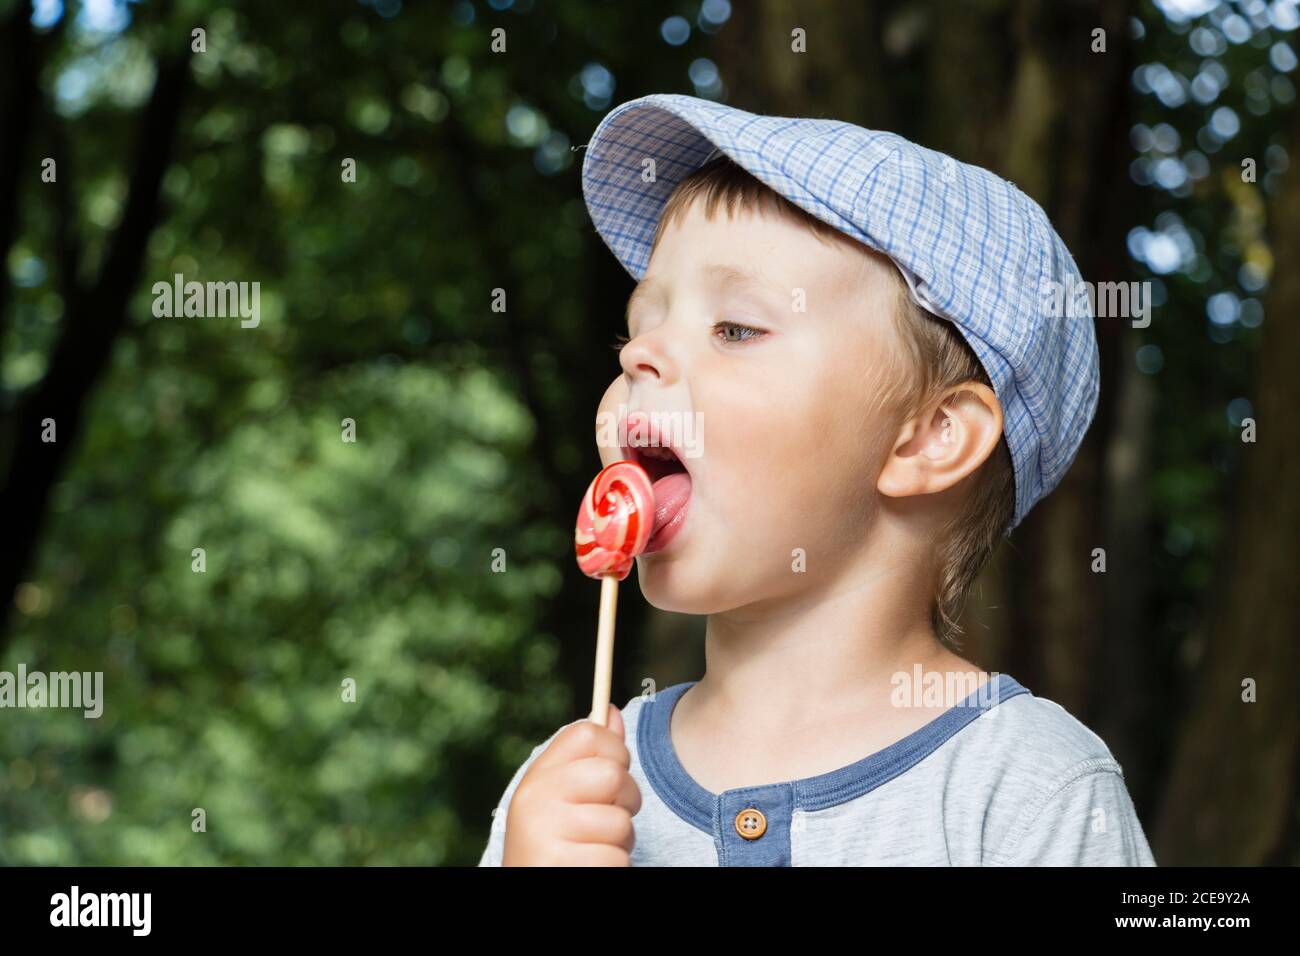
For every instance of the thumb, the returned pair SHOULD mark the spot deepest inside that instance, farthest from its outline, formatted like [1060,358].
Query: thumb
[613,720]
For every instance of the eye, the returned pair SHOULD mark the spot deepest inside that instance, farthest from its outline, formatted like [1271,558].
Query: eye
[619,341]
[735,332]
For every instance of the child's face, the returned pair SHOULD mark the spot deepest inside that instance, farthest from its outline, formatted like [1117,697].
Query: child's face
[790,438]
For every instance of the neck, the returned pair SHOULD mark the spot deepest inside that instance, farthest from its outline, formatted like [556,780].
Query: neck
[838,641]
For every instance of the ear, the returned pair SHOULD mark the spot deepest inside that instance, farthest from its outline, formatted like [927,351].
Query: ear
[945,443]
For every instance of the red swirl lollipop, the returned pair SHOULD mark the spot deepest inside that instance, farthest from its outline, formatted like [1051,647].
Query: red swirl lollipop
[614,521]
[614,524]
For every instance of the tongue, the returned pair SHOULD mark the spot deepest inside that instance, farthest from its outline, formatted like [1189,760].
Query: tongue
[672,492]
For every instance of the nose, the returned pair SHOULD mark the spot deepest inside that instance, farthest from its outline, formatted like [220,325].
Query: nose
[647,357]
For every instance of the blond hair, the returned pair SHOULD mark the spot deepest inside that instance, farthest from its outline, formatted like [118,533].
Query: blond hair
[940,359]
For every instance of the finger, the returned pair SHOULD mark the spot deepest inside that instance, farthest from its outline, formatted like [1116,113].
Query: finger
[614,722]
[594,780]
[597,823]
[581,739]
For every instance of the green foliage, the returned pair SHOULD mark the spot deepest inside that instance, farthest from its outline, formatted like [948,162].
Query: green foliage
[329,560]
[325,560]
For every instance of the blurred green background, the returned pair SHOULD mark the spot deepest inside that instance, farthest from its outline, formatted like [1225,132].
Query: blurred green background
[328,560]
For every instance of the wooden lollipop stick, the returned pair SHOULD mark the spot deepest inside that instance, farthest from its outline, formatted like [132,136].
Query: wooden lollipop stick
[614,524]
[604,650]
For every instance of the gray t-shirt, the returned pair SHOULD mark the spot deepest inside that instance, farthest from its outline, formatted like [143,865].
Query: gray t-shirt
[1003,778]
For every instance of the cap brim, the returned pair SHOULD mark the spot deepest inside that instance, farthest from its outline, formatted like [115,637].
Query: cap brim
[636,157]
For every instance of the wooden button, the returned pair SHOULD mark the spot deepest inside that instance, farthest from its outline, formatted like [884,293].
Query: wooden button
[751,824]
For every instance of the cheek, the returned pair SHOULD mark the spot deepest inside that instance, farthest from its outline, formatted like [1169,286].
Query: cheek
[801,441]
[850,417]
[765,428]
[736,406]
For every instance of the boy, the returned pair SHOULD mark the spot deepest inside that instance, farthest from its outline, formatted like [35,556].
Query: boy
[859,324]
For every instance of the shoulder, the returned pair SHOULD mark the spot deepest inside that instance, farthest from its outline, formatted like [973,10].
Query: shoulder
[1035,741]
[1014,758]
[1046,787]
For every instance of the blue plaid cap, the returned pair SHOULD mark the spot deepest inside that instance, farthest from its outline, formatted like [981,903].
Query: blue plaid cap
[973,248]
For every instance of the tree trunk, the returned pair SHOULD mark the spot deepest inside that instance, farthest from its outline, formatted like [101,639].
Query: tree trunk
[20,95]
[1231,793]
[94,319]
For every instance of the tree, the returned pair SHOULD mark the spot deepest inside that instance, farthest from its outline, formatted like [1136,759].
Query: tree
[94,316]
[1231,795]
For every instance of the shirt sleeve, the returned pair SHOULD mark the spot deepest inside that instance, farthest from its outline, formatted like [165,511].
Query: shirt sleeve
[495,848]
[1086,820]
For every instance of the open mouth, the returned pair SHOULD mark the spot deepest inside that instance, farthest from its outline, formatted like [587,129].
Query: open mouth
[671,481]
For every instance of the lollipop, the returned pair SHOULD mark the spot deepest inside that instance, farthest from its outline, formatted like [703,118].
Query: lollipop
[613,527]
[615,520]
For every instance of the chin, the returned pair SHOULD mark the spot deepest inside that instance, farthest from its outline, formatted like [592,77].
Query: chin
[670,586]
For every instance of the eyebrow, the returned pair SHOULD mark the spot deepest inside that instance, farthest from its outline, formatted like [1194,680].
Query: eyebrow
[720,272]
[735,275]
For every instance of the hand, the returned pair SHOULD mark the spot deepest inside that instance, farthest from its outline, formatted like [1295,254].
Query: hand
[574,806]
